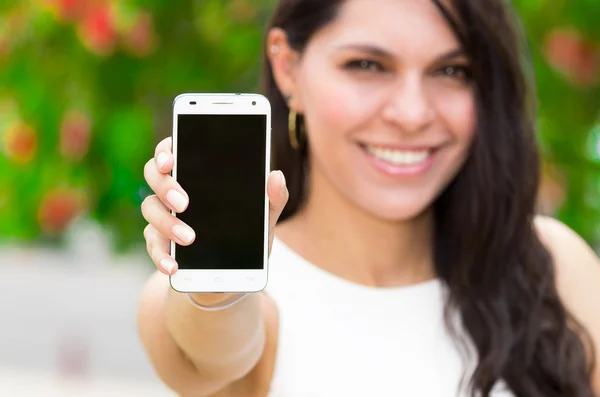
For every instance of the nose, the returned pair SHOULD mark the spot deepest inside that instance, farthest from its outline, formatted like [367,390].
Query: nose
[408,106]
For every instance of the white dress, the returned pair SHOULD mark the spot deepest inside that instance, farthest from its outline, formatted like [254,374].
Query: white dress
[341,339]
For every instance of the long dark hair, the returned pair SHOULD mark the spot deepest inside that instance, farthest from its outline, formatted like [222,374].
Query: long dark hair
[500,278]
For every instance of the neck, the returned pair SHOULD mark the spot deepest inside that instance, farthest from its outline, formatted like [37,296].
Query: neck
[333,233]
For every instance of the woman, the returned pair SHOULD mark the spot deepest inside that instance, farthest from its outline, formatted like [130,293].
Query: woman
[407,260]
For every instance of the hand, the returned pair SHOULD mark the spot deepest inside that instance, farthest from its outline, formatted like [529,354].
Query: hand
[163,227]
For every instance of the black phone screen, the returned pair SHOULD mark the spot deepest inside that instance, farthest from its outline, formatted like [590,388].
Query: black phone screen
[221,165]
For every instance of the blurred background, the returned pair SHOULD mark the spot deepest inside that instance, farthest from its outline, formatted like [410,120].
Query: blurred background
[86,89]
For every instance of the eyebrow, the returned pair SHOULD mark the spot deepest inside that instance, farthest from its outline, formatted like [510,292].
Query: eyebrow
[380,52]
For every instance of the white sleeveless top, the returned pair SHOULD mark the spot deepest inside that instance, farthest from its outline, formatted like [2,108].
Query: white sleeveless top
[338,338]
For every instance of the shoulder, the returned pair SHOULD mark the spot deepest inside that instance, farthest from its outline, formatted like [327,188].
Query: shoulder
[572,256]
[577,276]
[558,235]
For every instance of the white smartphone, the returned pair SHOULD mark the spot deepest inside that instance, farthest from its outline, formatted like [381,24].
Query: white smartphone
[221,147]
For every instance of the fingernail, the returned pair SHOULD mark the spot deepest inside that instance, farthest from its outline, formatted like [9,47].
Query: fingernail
[183,233]
[282,183]
[177,200]
[168,265]
[161,160]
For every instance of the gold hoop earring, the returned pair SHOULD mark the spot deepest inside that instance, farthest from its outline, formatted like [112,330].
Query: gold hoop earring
[292,128]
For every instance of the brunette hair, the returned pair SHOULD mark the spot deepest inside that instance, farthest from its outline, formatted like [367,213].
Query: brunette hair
[500,278]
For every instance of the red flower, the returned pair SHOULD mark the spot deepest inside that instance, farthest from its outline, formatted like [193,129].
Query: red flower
[97,29]
[75,134]
[58,209]
[67,10]
[140,39]
[576,58]
[20,143]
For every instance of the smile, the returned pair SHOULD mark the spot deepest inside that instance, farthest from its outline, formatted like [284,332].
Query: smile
[399,162]
[399,157]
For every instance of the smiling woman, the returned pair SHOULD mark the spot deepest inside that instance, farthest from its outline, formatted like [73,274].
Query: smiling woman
[388,84]
[405,131]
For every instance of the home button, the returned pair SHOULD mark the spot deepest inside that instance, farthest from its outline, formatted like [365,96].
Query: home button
[219,280]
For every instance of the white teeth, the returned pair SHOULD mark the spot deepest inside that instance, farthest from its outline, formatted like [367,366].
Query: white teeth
[399,157]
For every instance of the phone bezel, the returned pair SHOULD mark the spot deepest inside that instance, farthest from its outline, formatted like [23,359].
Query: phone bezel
[230,280]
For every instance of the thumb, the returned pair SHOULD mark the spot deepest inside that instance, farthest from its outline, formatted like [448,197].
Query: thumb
[278,197]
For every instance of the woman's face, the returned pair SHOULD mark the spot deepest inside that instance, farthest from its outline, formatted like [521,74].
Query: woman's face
[389,108]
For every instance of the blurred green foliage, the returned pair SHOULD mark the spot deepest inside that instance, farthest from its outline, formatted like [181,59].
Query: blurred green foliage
[86,90]
[565,39]
[99,77]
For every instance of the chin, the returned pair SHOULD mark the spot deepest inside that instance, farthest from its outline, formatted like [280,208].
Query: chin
[399,210]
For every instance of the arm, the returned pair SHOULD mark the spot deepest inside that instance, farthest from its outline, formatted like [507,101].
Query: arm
[199,353]
[578,279]
[195,352]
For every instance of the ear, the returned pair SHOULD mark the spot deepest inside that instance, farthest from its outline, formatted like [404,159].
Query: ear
[284,63]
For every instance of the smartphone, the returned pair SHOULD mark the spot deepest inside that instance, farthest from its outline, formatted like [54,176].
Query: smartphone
[221,148]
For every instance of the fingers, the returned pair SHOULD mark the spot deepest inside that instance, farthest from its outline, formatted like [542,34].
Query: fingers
[171,194]
[155,209]
[278,197]
[163,156]
[156,173]
[158,248]
[166,224]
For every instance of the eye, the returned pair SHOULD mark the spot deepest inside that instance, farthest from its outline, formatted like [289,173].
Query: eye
[458,72]
[364,65]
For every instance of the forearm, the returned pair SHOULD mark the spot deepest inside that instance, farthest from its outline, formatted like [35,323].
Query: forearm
[222,345]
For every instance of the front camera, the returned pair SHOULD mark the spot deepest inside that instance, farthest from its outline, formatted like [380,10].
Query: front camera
[253,103]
